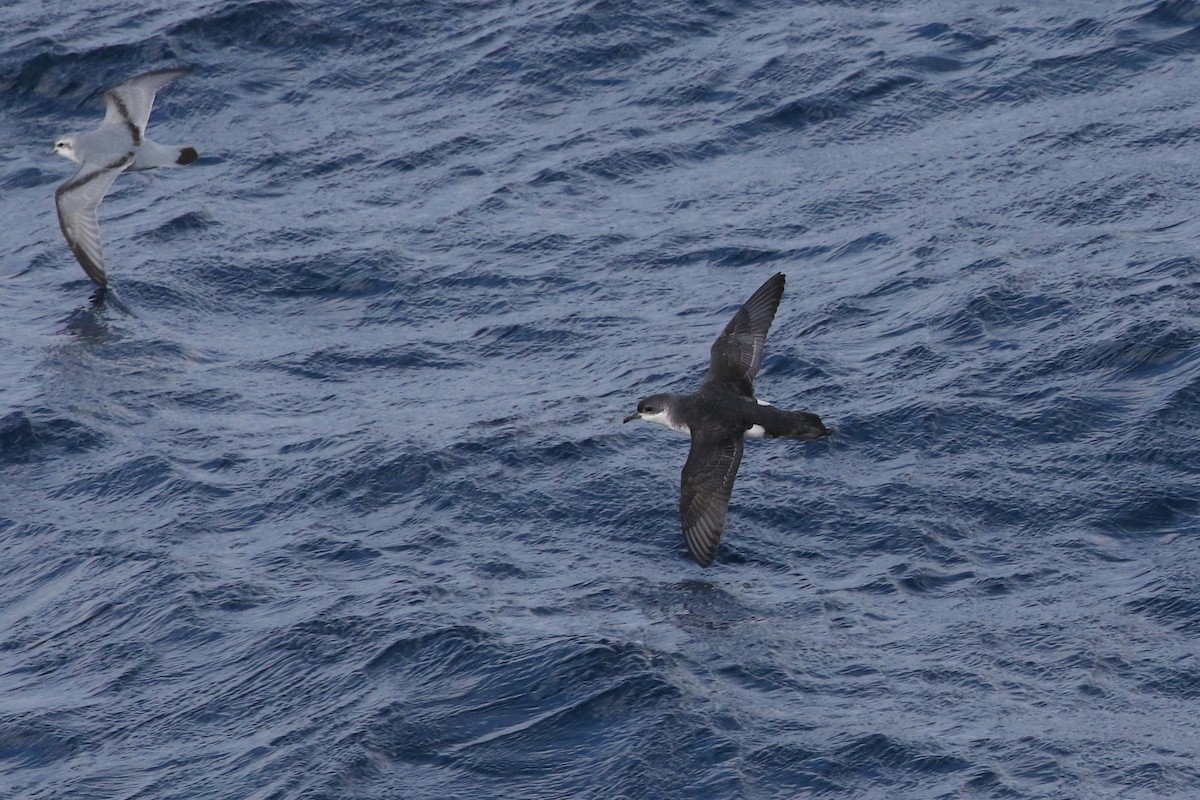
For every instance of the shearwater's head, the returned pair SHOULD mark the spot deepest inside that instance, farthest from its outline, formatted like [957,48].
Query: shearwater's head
[656,408]
[65,147]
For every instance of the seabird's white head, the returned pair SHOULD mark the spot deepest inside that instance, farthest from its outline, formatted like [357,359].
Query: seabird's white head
[65,147]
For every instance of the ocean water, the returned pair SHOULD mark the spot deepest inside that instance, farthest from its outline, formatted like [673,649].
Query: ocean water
[331,498]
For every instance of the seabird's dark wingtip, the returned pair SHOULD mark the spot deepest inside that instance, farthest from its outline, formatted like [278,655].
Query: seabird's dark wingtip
[91,268]
[778,278]
[96,273]
[186,156]
[704,560]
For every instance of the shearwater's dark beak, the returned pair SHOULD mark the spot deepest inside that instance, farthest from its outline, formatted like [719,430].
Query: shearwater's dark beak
[632,417]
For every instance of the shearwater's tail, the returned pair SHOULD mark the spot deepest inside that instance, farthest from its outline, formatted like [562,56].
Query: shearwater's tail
[806,426]
[795,425]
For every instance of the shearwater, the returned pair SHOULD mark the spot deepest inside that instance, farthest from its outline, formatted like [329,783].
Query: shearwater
[720,414]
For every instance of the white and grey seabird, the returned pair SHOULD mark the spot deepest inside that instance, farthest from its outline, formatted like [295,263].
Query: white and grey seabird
[119,144]
[719,415]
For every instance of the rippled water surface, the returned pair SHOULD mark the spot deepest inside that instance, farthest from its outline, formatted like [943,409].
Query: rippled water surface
[331,498]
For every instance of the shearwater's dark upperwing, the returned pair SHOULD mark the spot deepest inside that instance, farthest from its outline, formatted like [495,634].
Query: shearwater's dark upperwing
[127,106]
[704,490]
[738,351]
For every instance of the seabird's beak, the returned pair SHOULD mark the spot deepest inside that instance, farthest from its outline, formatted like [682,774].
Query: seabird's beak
[633,416]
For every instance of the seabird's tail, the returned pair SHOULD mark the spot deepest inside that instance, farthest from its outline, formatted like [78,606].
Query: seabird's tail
[152,154]
[795,425]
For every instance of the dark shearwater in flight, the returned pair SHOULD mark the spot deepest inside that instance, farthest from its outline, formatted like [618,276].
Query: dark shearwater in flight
[720,414]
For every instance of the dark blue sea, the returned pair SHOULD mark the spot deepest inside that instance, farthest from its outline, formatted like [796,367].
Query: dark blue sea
[330,496]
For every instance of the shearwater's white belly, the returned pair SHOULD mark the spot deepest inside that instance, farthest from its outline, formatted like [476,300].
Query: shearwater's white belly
[662,418]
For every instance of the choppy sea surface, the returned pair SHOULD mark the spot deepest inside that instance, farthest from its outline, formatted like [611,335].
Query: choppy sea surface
[331,498]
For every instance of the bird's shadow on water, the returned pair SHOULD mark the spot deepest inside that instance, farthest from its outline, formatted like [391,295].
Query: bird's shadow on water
[91,323]
[700,603]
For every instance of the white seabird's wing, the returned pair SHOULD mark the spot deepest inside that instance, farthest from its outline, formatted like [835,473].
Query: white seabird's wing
[77,200]
[127,106]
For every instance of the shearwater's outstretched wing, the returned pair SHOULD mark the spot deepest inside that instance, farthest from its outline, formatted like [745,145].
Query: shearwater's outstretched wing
[737,353]
[128,105]
[704,491]
[77,200]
